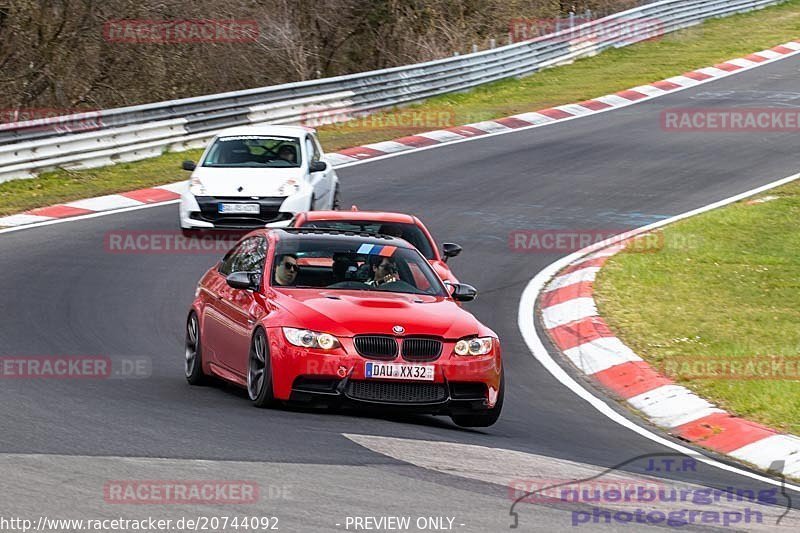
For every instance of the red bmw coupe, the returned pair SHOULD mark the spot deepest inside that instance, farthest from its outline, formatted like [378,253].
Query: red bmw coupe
[320,316]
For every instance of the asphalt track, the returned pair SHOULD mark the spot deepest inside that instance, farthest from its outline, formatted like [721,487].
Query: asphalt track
[63,293]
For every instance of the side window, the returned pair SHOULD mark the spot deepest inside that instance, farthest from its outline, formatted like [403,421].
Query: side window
[226,266]
[249,256]
[252,256]
[316,144]
[312,149]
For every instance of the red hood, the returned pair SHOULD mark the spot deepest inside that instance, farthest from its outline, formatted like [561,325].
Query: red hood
[347,313]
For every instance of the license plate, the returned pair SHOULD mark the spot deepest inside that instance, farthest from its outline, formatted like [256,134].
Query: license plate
[252,209]
[399,371]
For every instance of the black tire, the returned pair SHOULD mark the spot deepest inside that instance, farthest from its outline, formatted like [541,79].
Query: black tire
[259,371]
[193,354]
[336,205]
[486,418]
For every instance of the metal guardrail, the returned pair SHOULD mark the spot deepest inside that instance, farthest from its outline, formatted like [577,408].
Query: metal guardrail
[138,132]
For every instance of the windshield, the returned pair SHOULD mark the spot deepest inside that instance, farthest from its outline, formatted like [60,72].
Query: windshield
[254,151]
[408,232]
[353,265]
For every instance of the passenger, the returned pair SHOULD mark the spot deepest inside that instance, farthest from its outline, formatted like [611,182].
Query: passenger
[384,270]
[287,152]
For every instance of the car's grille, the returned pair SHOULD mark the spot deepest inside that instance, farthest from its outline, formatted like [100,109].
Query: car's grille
[268,211]
[420,349]
[376,347]
[400,392]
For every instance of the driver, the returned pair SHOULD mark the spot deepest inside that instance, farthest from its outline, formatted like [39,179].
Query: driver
[286,270]
[384,270]
[288,153]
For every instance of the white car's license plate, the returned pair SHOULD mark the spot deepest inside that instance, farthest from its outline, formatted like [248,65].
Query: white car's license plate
[399,371]
[251,209]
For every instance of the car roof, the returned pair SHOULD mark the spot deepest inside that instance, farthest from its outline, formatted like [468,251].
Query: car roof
[352,237]
[266,129]
[364,216]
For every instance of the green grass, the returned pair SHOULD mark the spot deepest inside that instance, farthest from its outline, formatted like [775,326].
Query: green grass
[724,287]
[611,71]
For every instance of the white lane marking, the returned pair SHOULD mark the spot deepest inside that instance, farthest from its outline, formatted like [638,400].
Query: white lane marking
[686,83]
[570,311]
[534,118]
[672,405]
[769,54]
[614,100]
[741,62]
[575,109]
[441,136]
[577,276]
[105,203]
[763,452]
[713,71]
[388,147]
[340,159]
[527,327]
[600,354]
[87,216]
[22,219]
[649,90]
[178,187]
[490,126]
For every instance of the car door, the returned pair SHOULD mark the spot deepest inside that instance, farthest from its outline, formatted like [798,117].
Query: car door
[215,323]
[319,180]
[241,308]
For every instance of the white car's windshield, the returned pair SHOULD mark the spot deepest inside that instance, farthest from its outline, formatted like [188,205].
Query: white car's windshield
[254,151]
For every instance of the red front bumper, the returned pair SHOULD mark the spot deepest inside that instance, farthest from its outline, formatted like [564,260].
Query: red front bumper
[300,373]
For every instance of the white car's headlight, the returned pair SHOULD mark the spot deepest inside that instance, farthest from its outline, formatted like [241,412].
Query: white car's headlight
[305,338]
[474,346]
[289,188]
[196,187]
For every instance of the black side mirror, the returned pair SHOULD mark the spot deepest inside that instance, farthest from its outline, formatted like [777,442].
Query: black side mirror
[188,165]
[450,249]
[246,281]
[461,292]
[317,166]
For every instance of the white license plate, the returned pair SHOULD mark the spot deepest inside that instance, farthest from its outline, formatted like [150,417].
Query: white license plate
[251,209]
[399,371]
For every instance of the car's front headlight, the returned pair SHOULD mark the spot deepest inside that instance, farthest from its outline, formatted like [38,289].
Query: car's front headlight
[196,187]
[289,188]
[306,338]
[474,346]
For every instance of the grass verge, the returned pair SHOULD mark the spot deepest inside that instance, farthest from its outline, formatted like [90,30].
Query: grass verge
[718,307]
[611,71]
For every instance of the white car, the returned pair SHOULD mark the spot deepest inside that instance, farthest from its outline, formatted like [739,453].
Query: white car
[254,176]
